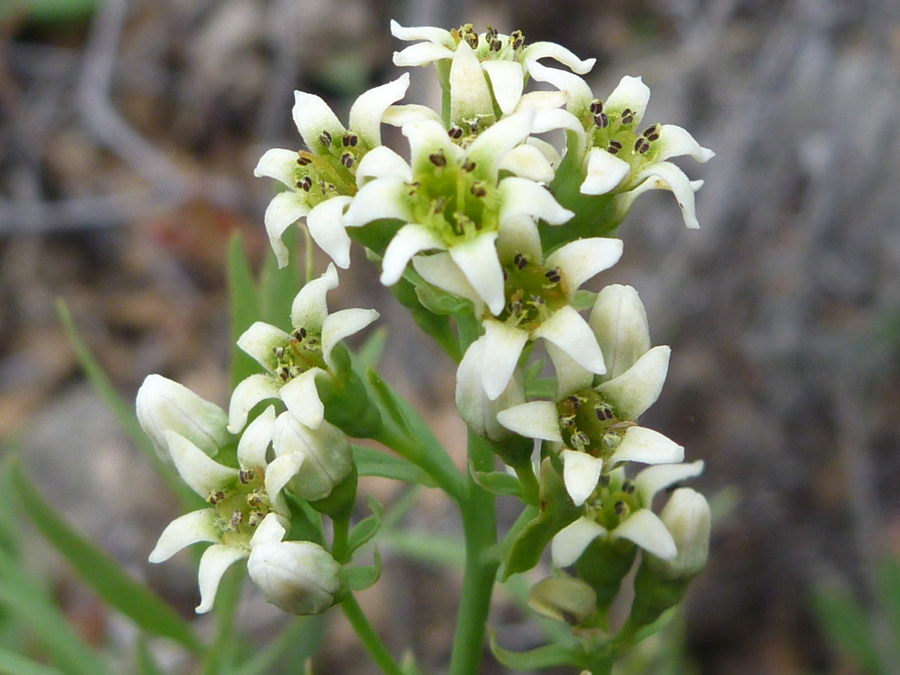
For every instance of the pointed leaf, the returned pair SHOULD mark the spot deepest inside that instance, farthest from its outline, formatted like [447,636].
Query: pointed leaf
[497,482]
[547,656]
[366,528]
[244,306]
[359,578]
[372,462]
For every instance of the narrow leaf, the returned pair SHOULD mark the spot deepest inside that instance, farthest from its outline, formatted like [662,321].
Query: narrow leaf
[370,353]
[497,482]
[426,547]
[547,656]
[278,287]
[359,578]
[367,528]
[101,572]
[244,305]
[844,622]
[14,664]
[299,641]
[372,462]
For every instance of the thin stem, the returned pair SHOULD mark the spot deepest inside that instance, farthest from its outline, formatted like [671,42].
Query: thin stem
[367,635]
[309,252]
[480,529]
[438,465]
[339,545]
[502,548]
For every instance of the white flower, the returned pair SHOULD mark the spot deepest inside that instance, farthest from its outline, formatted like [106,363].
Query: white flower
[293,361]
[481,65]
[239,501]
[321,180]
[629,518]
[298,577]
[688,519]
[477,409]
[164,405]
[453,199]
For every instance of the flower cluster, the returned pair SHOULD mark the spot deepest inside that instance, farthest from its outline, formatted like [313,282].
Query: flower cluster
[487,222]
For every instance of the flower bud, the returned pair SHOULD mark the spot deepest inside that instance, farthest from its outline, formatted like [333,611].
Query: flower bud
[687,517]
[563,599]
[328,458]
[619,322]
[475,407]
[298,577]
[164,405]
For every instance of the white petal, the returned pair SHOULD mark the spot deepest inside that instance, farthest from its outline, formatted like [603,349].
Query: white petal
[648,447]
[580,95]
[551,50]
[507,81]
[632,93]
[270,531]
[581,472]
[666,176]
[527,161]
[477,410]
[427,138]
[255,440]
[312,117]
[582,259]
[421,55]
[439,36]
[570,377]
[619,322]
[260,340]
[409,240]
[279,473]
[604,172]
[470,97]
[382,162]
[491,146]
[503,346]
[184,531]
[635,390]
[343,324]
[213,564]
[572,540]
[568,330]
[285,209]
[523,197]
[478,261]
[645,529]
[535,419]
[204,475]
[552,119]
[543,100]
[519,235]
[660,476]
[250,391]
[675,142]
[367,111]
[328,457]
[400,115]
[547,150]
[302,398]
[310,306]
[279,164]
[440,270]
[382,198]
[324,224]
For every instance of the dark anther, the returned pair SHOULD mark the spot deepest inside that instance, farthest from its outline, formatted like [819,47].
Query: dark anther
[553,275]
[299,334]
[652,133]
[237,519]
[478,189]
[438,159]
[469,165]
[604,480]
[537,300]
[520,261]
[628,487]
[627,116]
[284,373]
[574,401]
[472,39]
[350,140]
[254,501]
[303,161]
[517,39]
[614,147]
[246,476]
[216,497]
[455,132]
[496,45]
[641,146]
[305,184]
[620,508]
[601,120]
[278,352]
[325,138]
[347,159]
[596,106]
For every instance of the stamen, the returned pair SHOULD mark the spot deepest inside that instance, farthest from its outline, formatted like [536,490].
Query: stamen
[652,133]
[553,275]
[520,261]
[438,159]
[641,146]
[325,138]
[627,116]
[601,120]
[478,189]
[455,132]
[350,140]
[347,159]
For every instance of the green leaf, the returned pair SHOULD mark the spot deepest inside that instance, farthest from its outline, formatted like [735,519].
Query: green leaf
[545,387]
[366,528]
[101,572]
[438,326]
[24,598]
[361,577]
[244,305]
[370,353]
[426,547]
[279,287]
[388,402]
[844,623]
[123,411]
[14,664]
[145,662]
[50,11]
[889,582]
[372,462]
[299,641]
[496,482]
[547,656]
[10,530]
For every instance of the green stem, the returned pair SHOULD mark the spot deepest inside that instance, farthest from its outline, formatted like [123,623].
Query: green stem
[480,529]
[531,489]
[438,465]
[369,637]
[502,548]
[339,546]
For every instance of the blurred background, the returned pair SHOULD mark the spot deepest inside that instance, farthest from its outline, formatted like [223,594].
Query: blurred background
[129,130]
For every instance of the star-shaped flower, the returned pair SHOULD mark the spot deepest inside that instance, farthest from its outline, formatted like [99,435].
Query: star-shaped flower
[321,180]
[453,199]
[293,361]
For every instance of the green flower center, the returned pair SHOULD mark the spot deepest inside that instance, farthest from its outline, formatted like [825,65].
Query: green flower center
[452,201]
[492,44]
[588,423]
[328,175]
[616,132]
[241,507]
[533,293]
[302,352]
[612,502]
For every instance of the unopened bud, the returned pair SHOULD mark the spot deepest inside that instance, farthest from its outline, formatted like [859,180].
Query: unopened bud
[328,458]
[687,517]
[564,599]
[164,405]
[619,322]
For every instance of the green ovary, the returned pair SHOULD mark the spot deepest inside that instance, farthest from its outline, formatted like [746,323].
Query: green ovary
[533,293]
[589,424]
[241,507]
